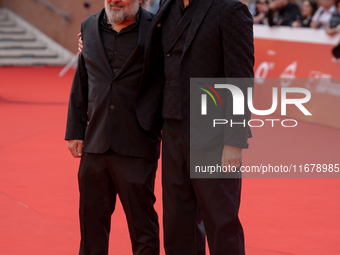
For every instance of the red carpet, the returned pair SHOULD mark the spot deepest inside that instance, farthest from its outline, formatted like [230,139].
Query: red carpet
[39,193]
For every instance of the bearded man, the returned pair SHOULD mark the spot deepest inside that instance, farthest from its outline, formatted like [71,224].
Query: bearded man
[110,126]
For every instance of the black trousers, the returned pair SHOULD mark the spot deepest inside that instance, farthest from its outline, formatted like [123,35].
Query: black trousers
[103,176]
[218,201]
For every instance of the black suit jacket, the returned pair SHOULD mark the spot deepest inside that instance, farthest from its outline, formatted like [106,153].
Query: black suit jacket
[103,109]
[219,44]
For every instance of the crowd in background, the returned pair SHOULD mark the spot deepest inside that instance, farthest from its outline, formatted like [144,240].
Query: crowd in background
[323,14]
[319,14]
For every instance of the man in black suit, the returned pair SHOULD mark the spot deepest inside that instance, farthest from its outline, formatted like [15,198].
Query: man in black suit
[111,127]
[193,39]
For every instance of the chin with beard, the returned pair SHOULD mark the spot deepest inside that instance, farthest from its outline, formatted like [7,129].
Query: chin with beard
[119,16]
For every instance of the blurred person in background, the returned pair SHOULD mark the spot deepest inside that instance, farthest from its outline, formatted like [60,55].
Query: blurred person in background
[281,12]
[152,6]
[334,24]
[308,10]
[251,6]
[260,16]
[323,15]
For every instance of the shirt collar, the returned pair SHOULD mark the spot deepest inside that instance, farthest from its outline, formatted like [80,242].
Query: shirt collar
[181,4]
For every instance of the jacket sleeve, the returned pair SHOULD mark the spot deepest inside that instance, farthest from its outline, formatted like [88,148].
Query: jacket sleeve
[236,28]
[77,109]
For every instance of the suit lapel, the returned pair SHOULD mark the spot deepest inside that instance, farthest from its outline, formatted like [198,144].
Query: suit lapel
[153,40]
[100,46]
[156,20]
[145,19]
[183,24]
[203,7]
[159,15]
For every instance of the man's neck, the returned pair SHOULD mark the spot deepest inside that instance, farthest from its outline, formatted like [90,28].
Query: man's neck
[185,2]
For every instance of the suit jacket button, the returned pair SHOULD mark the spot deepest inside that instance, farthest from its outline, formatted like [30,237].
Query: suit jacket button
[168,55]
[112,107]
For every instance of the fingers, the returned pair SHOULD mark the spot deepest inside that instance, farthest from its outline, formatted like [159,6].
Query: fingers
[80,46]
[226,161]
[231,158]
[76,148]
[80,49]
[80,148]
[80,43]
[73,149]
[222,160]
[232,163]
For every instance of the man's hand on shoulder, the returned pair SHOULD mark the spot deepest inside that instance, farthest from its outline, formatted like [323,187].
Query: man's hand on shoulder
[76,147]
[231,156]
[80,43]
